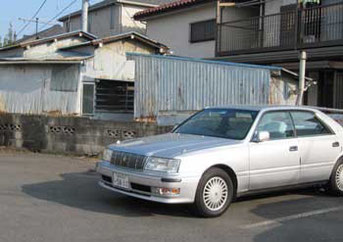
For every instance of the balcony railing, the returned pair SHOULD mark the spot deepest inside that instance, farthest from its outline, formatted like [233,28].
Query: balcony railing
[297,29]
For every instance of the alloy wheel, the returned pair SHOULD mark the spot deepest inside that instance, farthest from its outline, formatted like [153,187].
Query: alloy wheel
[339,177]
[215,193]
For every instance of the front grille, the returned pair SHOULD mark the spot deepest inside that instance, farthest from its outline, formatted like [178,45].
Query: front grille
[128,160]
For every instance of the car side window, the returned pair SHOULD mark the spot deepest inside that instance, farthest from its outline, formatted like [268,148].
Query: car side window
[307,124]
[278,124]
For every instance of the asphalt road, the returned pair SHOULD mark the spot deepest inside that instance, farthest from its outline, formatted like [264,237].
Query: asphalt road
[55,198]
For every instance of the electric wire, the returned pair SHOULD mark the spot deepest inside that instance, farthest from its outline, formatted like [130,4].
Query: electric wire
[35,15]
[57,15]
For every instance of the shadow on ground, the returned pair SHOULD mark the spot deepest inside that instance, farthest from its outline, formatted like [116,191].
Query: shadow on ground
[81,190]
[316,227]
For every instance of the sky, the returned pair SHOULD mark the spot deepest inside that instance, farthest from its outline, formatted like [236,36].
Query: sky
[11,10]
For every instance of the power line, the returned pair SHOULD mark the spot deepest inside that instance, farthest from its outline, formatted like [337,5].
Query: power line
[35,15]
[57,15]
[33,21]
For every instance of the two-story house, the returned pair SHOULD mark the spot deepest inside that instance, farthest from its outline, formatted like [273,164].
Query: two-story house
[261,32]
[279,30]
[110,17]
[188,27]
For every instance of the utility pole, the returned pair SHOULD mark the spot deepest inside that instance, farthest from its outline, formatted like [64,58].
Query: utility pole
[302,64]
[85,6]
[302,71]
[37,19]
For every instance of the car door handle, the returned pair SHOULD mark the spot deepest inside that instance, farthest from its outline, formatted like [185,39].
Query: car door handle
[293,148]
[335,144]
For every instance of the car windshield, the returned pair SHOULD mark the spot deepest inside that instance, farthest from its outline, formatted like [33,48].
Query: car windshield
[224,123]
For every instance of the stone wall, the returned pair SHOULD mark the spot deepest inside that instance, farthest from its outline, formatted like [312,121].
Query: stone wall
[69,135]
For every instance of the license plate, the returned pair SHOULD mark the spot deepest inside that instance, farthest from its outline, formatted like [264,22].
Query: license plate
[120,180]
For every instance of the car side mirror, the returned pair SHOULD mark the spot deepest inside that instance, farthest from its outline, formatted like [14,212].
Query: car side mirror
[262,136]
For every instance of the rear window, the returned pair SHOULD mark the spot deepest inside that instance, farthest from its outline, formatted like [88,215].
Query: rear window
[307,124]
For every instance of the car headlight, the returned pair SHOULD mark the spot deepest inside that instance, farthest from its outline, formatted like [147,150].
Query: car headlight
[107,156]
[162,164]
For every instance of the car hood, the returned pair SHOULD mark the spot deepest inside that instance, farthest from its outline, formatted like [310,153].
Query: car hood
[171,145]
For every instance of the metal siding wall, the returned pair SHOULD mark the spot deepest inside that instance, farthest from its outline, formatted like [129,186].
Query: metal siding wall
[65,78]
[166,84]
[338,90]
[26,89]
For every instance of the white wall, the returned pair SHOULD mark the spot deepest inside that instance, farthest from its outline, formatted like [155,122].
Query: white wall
[127,21]
[173,30]
[119,68]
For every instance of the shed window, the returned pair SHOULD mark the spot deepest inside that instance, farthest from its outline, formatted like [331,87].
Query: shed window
[65,78]
[114,96]
[88,99]
[203,31]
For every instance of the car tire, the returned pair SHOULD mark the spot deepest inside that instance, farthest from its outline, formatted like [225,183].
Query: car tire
[336,180]
[214,193]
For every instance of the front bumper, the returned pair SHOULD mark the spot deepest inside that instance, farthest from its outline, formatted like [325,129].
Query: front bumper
[142,183]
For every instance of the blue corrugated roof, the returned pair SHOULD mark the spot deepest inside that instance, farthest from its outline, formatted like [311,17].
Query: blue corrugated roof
[207,61]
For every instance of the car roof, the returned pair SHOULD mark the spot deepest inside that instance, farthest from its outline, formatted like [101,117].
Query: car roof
[265,107]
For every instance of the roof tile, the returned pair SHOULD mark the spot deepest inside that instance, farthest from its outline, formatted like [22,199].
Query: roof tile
[167,7]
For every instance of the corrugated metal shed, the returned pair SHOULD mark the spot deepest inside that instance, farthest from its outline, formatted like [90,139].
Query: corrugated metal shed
[39,88]
[167,85]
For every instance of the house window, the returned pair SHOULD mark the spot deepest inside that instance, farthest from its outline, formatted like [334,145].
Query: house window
[112,17]
[307,124]
[114,96]
[67,24]
[203,31]
[88,99]
[90,18]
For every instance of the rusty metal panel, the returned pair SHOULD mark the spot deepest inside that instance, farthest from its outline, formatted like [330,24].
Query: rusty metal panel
[172,84]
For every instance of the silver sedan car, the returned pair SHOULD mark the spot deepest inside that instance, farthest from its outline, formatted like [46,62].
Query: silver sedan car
[222,153]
